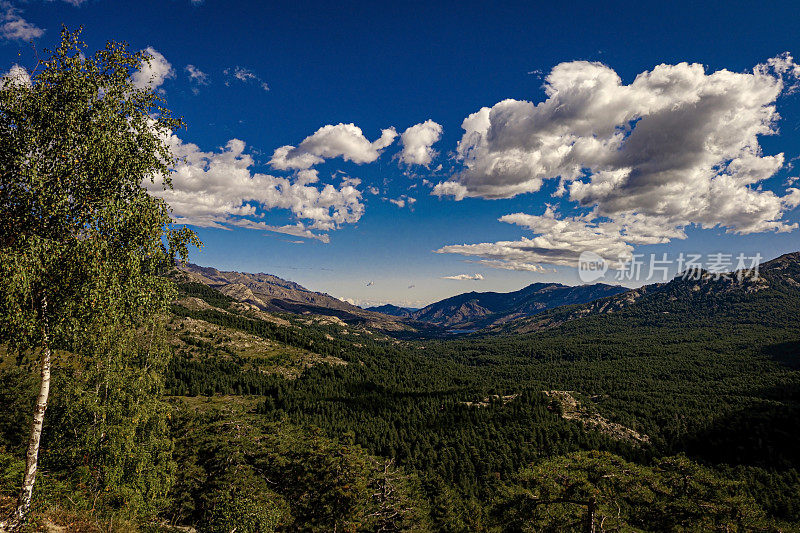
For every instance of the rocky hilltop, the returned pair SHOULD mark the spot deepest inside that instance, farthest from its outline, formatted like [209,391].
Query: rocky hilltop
[272,294]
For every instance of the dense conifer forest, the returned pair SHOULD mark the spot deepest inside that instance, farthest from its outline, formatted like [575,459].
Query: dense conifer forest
[720,390]
[462,429]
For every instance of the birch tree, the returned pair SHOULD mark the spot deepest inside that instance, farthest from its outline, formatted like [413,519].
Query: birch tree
[82,243]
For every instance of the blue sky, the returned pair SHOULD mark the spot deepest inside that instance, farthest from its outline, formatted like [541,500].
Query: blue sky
[271,74]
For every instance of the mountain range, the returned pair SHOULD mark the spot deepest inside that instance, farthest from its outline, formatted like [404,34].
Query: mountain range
[472,310]
[535,307]
[392,310]
[480,309]
[765,293]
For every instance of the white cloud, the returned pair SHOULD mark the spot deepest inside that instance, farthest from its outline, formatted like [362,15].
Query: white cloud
[402,201]
[560,241]
[342,140]
[15,28]
[296,230]
[417,141]
[465,277]
[16,74]
[675,148]
[220,189]
[791,200]
[782,64]
[451,188]
[154,72]
[196,75]
[513,265]
[245,75]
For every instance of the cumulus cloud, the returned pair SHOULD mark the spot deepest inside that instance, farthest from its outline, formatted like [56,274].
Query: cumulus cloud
[341,140]
[154,72]
[16,74]
[417,141]
[791,200]
[245,75]
[465,277]
[220,189]
[676,147]
[451,188]
[781,64]
[15,28]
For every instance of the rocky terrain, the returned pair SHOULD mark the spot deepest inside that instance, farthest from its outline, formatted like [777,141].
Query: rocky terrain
[572,409]
[272,294]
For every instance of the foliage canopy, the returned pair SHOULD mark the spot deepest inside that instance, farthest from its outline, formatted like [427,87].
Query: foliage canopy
[82,243]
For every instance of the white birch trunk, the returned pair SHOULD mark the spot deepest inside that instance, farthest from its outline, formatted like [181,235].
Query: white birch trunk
[31,458]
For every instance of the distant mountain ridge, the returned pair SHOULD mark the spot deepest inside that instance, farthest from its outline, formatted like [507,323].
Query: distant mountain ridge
[479,309]
[392,310]
[273,294]
[537,306]
[473,310]
[700,295]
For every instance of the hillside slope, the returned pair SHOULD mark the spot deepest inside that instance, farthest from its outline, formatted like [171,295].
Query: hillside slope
[275,295]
